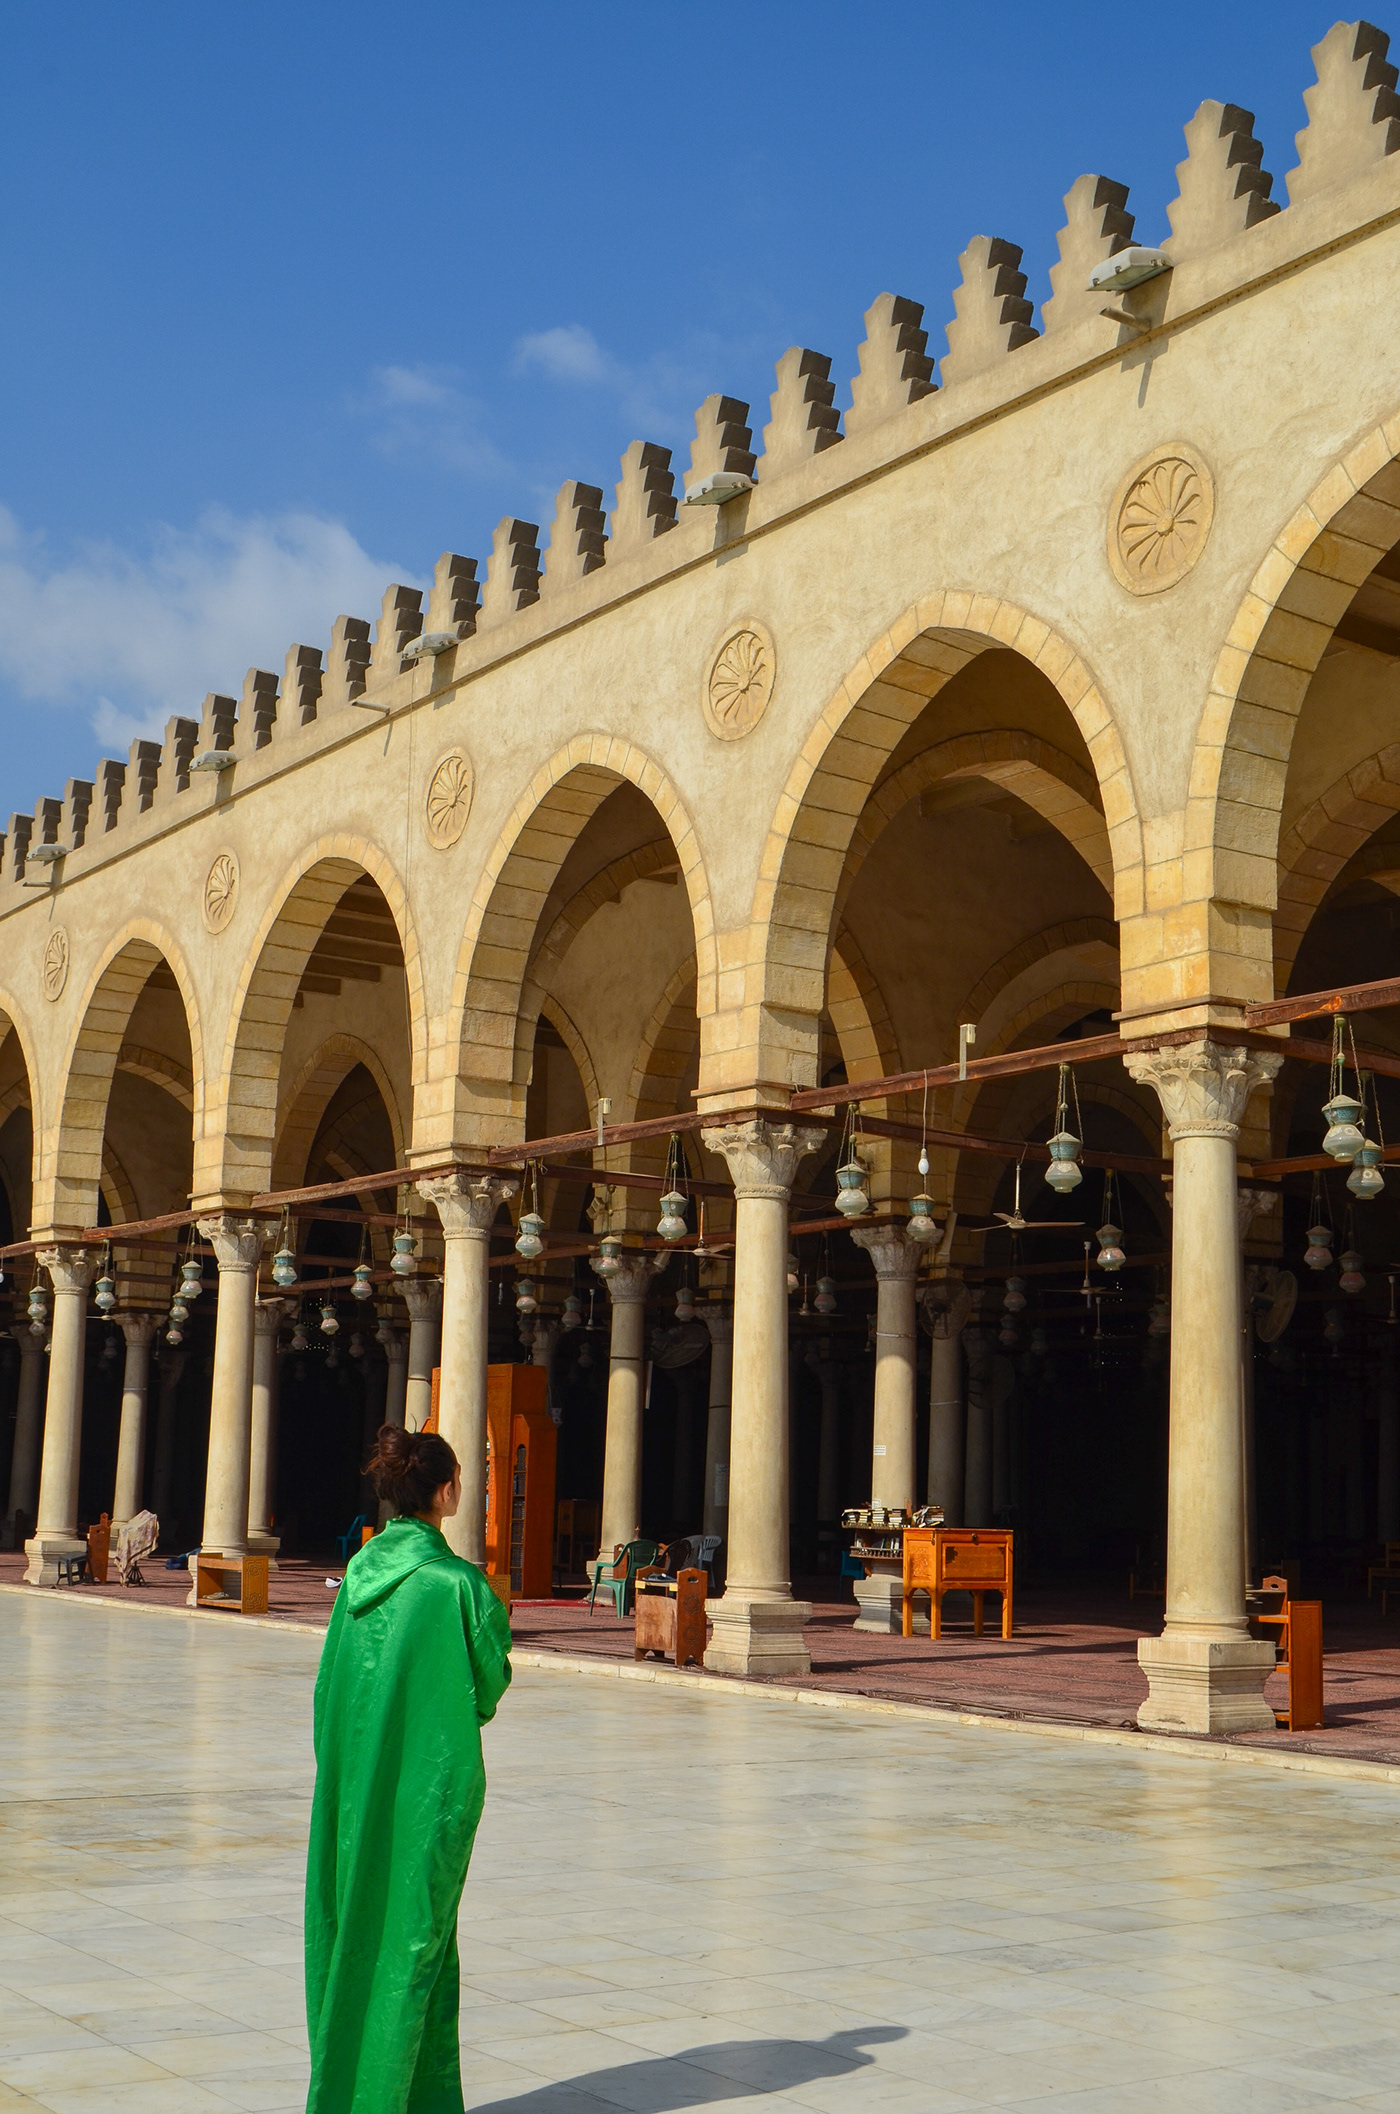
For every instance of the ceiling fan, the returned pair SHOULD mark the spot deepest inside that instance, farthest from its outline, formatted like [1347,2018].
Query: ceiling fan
[1012,1221]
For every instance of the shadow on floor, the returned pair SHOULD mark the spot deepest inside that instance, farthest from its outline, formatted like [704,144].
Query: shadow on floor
[699,2077]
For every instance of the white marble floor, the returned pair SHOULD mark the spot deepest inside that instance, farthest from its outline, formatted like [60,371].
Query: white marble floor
[680,1902]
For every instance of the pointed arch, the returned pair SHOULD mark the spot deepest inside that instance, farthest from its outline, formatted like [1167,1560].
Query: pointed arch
[1283,626]
[309,1095]
[68,1152]
[489,1041]
[234,1152]
[839,769]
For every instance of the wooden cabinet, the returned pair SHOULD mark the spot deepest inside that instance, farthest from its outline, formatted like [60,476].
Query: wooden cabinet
[940,1560]
[671,1618]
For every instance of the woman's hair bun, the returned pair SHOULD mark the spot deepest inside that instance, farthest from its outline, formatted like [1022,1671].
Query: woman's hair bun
[408,1468]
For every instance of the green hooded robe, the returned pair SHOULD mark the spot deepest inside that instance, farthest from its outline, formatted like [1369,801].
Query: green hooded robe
[415,1662]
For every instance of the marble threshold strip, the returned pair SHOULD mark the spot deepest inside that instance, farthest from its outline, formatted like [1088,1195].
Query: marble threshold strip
[938,1717]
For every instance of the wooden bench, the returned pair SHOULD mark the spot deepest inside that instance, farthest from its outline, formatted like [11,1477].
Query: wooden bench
[1296,1627]
[235,1585]
[670,1616]
[941,1560]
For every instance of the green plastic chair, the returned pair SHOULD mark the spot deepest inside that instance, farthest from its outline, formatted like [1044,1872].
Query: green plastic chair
[620,1576]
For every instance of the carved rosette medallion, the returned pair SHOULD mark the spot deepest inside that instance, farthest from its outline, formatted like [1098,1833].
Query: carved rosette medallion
[1160,519]
[448,801]
[55,971]
[220,891]
[739,682]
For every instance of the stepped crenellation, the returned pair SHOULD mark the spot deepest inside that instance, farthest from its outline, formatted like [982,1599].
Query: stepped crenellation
[1224,195]
[1097,225]
[993,317]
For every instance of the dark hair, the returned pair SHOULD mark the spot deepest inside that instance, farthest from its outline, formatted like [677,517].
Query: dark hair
[408,1468]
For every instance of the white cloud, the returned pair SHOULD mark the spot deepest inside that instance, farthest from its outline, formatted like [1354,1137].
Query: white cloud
[423,415]
[147,635]
[568,353]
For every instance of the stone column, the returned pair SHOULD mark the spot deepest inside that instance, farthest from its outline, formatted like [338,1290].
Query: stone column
[719,1320]
[172,1366]
[880,1593]
[29,1429]
[71,1270]
[1249,1205]
[423,1298]
[946,1310]
[542,1343]
[758,1624]
[396,1381]
[1205,1672]
[979,1350]
[828,1373]
[467,1206]
[262,1458]
[237,1243]
[374,1372]
[622,1442]
[139,1331]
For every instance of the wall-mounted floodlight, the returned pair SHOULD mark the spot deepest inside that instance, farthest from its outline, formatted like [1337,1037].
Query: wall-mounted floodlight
[1129,268]
[45,857]
[214,760]
[429,644]
[718,488]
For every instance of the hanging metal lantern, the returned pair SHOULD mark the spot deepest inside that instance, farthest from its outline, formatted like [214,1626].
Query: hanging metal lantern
[1110,1255]
[1353,1277]
[384,1334]
[1009,1335]
[825,1301]
[852,1196]
[572,1316]
[1334,1331]
[362,1284]
[299,1342]
[1064,1172]
[357,1345]
[105,1293]
[1015,1299]
[330,1323]
[922,1225]
[284,1267]
[525,1300]
[191,1278]
[1161,1322]
[1344,1139]
[179,1312]
[529,1241]
[174,1334]
[685,1304]
[794,1273]
[1366,1179]
[404,1260]
[1318,1253]
[38,1304]
[609,1259]
[109,1351]
[1040,1343]
[671,1225]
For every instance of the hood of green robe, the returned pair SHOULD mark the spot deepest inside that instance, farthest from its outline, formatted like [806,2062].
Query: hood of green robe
[402,1548]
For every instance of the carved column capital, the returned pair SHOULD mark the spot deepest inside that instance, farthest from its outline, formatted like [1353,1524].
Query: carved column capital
[71,1269]
[720,1323]
[268,1316]
[395,1348]
[467,1203]
[629,1286]
[1204,1087]
[1251,1204]
[894,1255]
[237,1242]
[763,1156]
[138,1329]
[423,1297]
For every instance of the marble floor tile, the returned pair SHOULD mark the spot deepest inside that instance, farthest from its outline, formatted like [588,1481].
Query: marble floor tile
[865,1916]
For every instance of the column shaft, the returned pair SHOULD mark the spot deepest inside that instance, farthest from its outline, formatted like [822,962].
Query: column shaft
[172,1366]
[237,1244]
[423,1298]
[946,1428]
[622,1443]
[262,1453]
[71,1271]
[720,1323]
[29,1427]
[139,1331]
[467,1206]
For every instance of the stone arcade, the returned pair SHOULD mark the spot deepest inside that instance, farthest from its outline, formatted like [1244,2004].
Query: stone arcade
[1053,684]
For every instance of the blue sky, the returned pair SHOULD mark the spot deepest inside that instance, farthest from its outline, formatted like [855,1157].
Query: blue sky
[299,295]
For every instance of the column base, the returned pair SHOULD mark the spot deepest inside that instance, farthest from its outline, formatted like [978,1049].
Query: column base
[757,1636]
[43,1553]
[880,1601]
[1201,1683]
[265,1545]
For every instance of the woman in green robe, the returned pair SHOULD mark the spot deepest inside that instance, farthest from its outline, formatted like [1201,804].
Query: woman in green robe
[415,1662]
